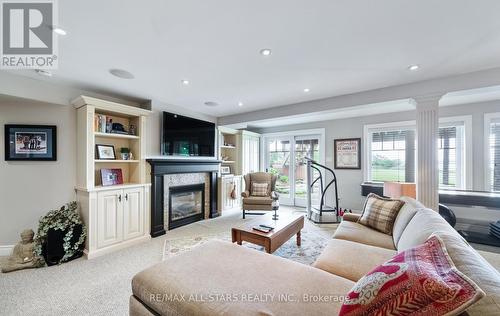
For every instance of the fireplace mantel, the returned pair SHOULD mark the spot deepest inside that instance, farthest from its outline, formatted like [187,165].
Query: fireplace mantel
[161,167]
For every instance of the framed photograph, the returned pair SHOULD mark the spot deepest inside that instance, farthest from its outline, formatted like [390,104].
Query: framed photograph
[225,170]
[30,142]
[105,152]
[111,177]
[347,153]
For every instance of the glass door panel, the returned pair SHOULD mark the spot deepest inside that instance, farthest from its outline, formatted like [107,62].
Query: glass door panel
[305,147]
[278,163]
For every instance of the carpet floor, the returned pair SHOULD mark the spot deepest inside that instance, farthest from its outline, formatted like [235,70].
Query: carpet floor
[101,286]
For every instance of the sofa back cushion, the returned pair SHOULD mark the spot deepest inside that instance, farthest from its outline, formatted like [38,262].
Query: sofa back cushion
[380,213]
[472,264]
[427,222]
[424,223]
[405,215]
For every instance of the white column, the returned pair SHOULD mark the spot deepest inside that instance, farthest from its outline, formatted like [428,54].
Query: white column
[427,150]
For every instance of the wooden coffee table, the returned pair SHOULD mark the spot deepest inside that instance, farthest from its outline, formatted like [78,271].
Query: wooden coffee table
[284,228]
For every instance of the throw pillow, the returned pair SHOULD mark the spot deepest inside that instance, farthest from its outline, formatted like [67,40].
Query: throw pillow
[418,281]
[259,189]
[380,213]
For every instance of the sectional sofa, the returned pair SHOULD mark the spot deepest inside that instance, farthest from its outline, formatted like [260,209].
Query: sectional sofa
[221,278]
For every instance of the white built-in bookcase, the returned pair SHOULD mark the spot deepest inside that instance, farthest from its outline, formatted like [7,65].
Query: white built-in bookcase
[117,215]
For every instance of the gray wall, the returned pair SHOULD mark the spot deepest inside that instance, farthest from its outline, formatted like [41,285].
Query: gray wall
[349,180]
[29,189]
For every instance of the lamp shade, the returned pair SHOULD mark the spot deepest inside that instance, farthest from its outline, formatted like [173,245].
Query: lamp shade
[399,189]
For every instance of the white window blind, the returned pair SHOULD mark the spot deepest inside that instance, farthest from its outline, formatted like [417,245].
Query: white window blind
[451,155]
[494,154]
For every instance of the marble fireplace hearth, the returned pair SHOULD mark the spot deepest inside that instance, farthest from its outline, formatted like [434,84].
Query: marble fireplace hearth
[167,174]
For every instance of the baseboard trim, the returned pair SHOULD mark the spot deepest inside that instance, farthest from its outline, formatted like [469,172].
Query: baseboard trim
[6,250]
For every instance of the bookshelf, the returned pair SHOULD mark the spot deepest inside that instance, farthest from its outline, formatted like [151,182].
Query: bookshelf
[115,215]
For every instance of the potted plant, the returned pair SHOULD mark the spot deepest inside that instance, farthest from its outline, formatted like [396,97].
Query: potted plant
[125,153]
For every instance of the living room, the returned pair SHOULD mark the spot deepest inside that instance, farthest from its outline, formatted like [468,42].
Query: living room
[250,158]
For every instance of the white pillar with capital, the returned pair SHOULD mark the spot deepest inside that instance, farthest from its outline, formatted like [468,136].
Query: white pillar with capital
[427,150]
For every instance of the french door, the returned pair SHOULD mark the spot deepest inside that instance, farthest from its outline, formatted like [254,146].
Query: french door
[284,156]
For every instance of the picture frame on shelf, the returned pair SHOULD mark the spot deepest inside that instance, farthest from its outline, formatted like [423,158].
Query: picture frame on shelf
[105,152]
[30,142]
[111,177]
[225,170]
[347,153]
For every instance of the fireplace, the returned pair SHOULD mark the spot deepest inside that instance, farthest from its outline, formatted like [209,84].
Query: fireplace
[170,173]
[186,204]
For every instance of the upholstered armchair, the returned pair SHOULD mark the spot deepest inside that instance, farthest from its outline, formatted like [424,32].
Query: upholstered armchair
[261,201]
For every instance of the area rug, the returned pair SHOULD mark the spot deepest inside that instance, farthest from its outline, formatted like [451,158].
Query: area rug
[311,246]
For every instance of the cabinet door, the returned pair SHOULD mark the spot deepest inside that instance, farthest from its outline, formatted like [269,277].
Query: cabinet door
[133,213]
[109,218]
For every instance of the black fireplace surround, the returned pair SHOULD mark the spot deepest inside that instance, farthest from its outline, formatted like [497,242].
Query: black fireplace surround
[161,167]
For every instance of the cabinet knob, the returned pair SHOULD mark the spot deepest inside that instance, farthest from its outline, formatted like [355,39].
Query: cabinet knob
[126,196]
[119,198]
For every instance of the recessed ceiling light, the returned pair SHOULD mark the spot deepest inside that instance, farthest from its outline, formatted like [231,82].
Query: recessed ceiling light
[59,31]
[240,103]
[413,67]
[307,90]
[42,72]
[211,103]
[265,52]
[120,73]
[185,82]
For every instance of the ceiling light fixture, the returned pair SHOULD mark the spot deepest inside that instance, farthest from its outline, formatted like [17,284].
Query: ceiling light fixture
[211,103]
[265,52]
[240,103]
[122,74]
[307,90]
[185,82]
[413,67]
[42,72]
[59,31]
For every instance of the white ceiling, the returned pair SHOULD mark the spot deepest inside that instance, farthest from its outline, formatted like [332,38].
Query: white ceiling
[332,47]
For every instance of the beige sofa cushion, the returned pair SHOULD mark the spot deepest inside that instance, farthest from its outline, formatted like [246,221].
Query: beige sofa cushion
[473,265]
[405,215]
[423,224]
[258,200]
[352,231]
[224,268]
[351,260]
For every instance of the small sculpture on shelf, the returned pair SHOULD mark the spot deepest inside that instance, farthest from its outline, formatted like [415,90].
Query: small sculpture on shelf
[23,256]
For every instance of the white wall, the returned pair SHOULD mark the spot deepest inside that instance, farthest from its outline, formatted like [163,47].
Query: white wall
[349,180]
[29,189]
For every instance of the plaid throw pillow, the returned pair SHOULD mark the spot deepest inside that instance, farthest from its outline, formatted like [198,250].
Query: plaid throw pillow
[259,189]
[380,213]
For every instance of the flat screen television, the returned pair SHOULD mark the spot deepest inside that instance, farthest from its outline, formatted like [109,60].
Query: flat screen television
[185,136]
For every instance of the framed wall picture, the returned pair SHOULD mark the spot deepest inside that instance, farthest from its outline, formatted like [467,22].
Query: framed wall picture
[30,142]
[105,152]
[225,170]
[111,177]
[347,153]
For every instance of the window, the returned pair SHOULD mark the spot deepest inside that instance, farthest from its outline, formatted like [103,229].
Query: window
[492,133]
[391,152]
[451,155]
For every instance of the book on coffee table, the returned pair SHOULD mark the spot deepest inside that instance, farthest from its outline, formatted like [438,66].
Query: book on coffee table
[263,228]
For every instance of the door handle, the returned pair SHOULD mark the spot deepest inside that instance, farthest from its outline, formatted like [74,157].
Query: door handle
[120,198]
